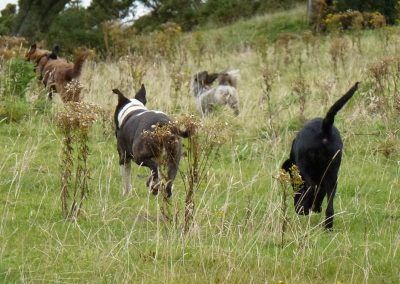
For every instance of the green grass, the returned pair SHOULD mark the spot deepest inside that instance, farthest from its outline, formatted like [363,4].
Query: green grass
[269,26]
[236,236]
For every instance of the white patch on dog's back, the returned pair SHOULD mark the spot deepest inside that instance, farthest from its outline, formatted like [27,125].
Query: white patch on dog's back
[134,105]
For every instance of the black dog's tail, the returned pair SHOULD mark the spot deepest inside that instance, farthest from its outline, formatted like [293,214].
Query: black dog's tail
[183,133]
[330,116]
[54,52]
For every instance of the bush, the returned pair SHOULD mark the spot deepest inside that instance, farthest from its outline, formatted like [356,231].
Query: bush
[18,74]
[72,28]
[13,83]
[388,8]
[354,20]
[13,109]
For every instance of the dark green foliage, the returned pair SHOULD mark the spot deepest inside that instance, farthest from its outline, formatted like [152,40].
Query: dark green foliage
[13,83]
[186,13]
[17,75]
[191,13]
[7,18]
[72,29]
[388,8]
[105,10]
[13,109]
[36,16]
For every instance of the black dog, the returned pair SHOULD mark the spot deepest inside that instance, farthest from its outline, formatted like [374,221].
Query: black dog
[317,152]
[133,121]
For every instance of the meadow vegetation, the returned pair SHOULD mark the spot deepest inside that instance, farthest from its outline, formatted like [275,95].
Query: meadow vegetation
[243,225]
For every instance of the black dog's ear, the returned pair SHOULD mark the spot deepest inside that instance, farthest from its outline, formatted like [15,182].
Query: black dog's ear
[141,95]
[201,77]
[33,47]
[210,78]
[121,98]
[54,53]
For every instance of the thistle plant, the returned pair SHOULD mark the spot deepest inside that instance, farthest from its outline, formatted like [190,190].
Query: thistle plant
[300,88]
[338,50]
[310,41]
[75,122]
[72,91]
[179,77]
[283,42]
[202,146]
[268,78]
[138,69]
[261,48]
[379,74]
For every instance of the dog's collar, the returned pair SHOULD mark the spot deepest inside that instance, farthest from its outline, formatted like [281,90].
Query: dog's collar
[134,105]
[40,58]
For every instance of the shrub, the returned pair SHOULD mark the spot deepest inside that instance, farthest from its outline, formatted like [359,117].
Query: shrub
[13,109]
[13,83]
[354,20]
[388,8]
[18,74]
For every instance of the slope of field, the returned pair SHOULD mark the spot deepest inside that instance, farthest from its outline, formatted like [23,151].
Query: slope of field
[237,231]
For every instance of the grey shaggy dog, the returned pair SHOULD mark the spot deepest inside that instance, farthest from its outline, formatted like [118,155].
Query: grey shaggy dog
[224,93]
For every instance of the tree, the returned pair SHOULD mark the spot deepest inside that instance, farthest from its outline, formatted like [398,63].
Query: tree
[7,18]
[186,13]
[36,16]
[76,26]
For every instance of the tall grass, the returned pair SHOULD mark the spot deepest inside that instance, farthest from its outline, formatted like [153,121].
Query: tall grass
[236,234]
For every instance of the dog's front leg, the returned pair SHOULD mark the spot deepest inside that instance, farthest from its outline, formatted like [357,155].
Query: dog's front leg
[126,178]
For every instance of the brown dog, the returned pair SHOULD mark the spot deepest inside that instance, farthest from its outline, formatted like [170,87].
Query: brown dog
[61,76]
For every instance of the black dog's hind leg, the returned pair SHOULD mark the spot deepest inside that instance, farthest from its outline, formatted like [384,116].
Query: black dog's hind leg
[330,187]
[318,199]
[174,156]
[154,178]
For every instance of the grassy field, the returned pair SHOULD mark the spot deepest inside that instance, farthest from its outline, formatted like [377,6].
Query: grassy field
[236,235]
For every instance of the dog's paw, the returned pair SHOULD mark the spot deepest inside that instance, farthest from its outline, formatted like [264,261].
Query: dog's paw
[317,210]
[153,185]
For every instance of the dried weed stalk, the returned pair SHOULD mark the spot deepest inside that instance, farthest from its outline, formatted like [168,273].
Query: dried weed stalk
[179,77]
[75,122]
[202,146]
[269,76]
[338,49]
[300,88]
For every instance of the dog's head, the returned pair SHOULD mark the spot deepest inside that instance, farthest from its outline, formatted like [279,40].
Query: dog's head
[123,101]
[202,80]
[34,53]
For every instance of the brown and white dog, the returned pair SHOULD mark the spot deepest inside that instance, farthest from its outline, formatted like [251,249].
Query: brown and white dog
[224,94]
[133,122]
[61,76]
